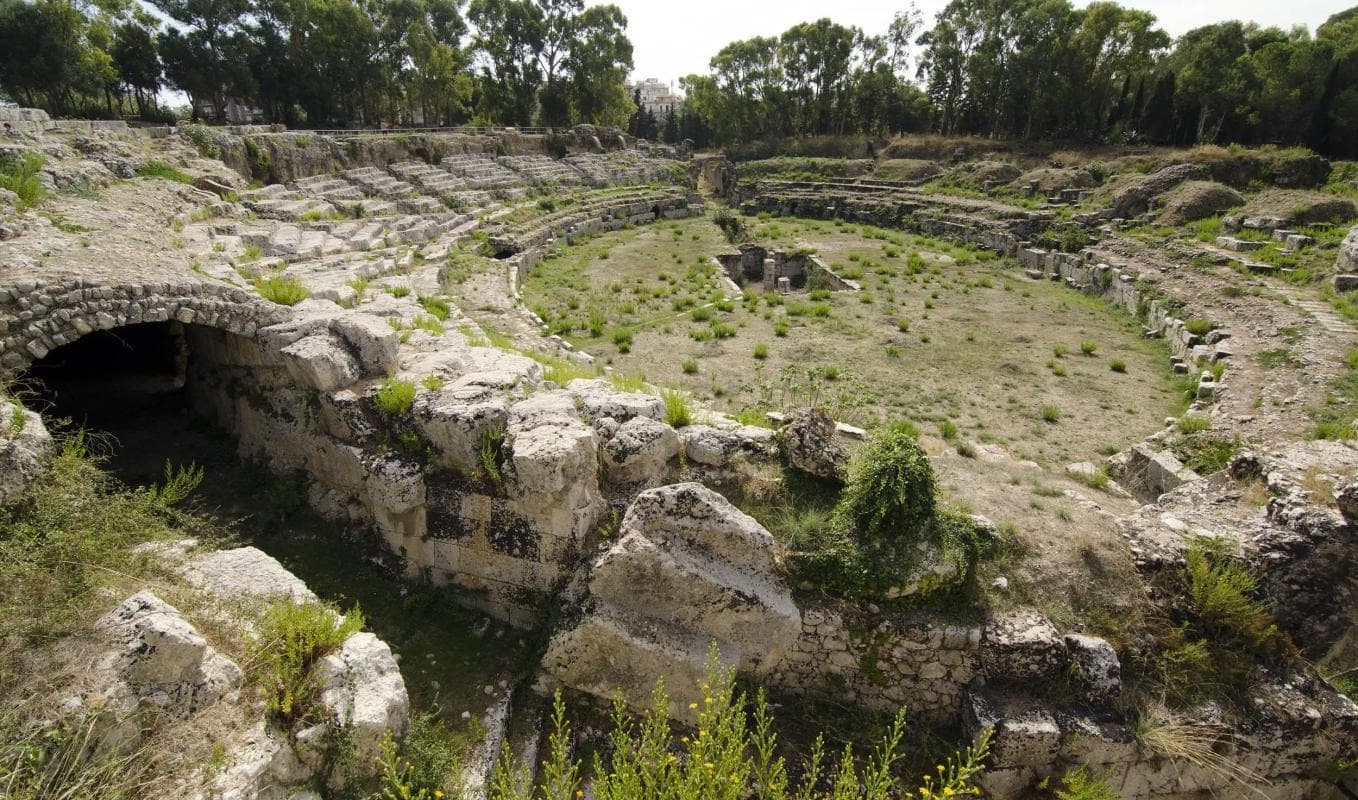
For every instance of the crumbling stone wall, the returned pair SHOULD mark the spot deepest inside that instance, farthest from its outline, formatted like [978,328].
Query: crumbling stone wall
[922,665]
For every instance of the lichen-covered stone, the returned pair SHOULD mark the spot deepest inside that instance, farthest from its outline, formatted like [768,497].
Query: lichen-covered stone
[245,572]
[25,447]
[810,443]
[1021,645]
[164,659]
[640,451]
[1096,664]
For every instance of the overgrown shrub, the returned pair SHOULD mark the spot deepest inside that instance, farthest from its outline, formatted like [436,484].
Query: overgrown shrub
[885,522]
[890,489]
[292,638]
[1220,589]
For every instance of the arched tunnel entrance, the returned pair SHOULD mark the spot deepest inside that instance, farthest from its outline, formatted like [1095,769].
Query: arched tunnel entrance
[125,388]
[152,393]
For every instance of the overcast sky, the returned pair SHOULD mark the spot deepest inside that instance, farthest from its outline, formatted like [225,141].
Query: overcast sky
[673,39]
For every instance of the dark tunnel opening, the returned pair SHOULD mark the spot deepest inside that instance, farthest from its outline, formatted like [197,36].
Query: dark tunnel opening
[125,388]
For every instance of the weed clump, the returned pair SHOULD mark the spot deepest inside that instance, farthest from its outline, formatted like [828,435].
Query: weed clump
[395,397]
[678,411]
[282,289]
[292,638]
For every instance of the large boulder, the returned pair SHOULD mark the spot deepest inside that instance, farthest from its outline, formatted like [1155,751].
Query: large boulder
[1135,199]
[689,572]
[810,443]
[1347,262]
[1197,200]
[163,659]
[25,447]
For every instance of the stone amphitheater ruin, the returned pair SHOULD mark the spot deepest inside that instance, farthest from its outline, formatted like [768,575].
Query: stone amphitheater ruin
[556,497]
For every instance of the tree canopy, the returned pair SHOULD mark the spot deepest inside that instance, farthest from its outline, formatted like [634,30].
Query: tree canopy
[1030,69]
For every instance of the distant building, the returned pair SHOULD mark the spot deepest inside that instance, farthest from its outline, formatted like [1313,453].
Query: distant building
[237,111]
[657,97]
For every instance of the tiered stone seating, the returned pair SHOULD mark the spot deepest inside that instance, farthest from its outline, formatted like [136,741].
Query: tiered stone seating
[542,171]
[328,188]
[481,172]
[279,202]
[430,180]
[376,183]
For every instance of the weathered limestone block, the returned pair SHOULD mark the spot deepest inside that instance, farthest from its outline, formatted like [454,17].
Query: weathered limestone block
[1021,645]
[640,451]
[1100,672]
[607,653]
[597,399]
[25,447]
[810,444]
[642,576]
[164,659]
[454,422]
[1347,261]
[715,447]
[373,339]
[362,688]
[689,569]
[321,361]
[395,485]
[262,766]
[550,450]
[245,572]
[1023,736]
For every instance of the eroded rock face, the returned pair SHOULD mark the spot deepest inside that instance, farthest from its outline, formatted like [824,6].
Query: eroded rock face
[688,571]
[810,444]
[164,659]
[25,446]
[1347,261]
[1021,645]
[245,572]
[640,451]
[365,695]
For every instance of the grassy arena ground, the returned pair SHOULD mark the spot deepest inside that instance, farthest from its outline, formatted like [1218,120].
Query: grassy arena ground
[943,335]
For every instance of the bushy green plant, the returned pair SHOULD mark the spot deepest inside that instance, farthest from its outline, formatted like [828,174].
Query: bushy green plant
[282,289]
[395,396]
[436,307]
[1089,348]
[490,444]
[1193,423]
[159,169]
[1220,591]
[690,366]
[1051,414]
[19,174]
[292,637]
[734,754]
[1117,365]
[678,411]
[1081,784]
[761,351]
[890,489]
[1198,326]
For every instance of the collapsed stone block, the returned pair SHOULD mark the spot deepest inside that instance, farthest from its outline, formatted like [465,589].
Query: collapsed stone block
[321,361]
[640,451]
[164,659]
[1021,645]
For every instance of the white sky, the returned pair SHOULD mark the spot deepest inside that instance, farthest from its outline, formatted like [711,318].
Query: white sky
[673,39]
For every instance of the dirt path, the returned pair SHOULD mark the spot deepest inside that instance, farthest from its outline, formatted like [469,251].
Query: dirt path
[1287,344]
